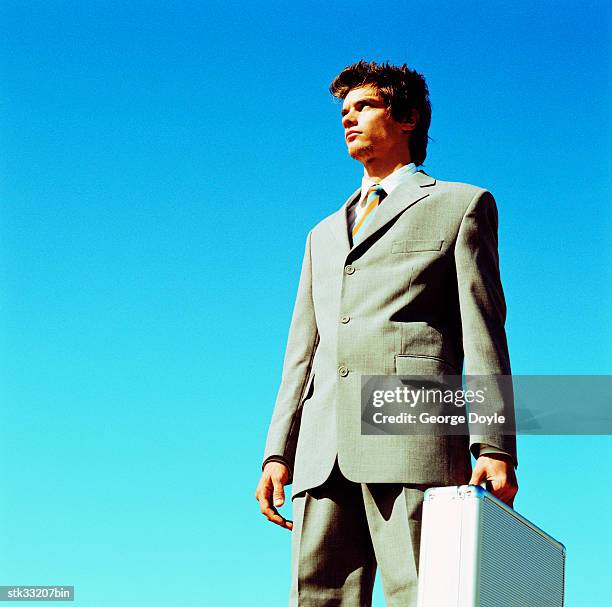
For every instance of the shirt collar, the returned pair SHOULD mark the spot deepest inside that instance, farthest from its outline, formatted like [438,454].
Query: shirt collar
[391,181]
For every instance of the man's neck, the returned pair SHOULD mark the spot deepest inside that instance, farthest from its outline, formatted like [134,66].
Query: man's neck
[376,169]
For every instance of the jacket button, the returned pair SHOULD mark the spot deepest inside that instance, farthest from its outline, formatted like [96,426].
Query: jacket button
[343,371]
[349,269]
[345,319]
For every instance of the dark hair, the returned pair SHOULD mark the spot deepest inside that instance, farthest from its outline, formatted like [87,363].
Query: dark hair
[402,89]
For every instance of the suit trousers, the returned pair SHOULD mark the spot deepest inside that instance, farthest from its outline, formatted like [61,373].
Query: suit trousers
[343,531]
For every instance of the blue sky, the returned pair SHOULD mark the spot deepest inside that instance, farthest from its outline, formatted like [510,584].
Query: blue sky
[161,166]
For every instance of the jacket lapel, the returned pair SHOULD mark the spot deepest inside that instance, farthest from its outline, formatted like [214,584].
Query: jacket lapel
[403,196]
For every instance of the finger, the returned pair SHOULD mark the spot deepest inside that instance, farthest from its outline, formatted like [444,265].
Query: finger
[279,492]
[504,490]
[263,489]
[263,496]
[267,509]
[497,484]
[273,516]
[512,488]
[478,475]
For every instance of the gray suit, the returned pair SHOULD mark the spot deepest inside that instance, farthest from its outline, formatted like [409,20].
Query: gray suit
[417,294]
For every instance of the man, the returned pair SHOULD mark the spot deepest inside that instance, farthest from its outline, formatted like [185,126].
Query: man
[402,279]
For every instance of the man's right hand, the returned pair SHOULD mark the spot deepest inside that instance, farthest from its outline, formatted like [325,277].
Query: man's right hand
[270,488]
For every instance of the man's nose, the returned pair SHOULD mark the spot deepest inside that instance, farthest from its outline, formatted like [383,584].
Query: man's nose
[348,119]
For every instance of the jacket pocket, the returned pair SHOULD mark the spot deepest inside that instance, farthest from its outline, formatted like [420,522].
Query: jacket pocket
[309,390]
[412,246]
[421,364]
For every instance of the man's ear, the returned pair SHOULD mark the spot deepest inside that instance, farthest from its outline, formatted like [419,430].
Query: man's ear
[410,124]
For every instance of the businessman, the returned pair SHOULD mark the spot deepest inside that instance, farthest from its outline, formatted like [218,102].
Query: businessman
[403,279]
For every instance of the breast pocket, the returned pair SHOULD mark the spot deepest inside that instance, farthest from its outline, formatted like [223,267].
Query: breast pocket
[414,246]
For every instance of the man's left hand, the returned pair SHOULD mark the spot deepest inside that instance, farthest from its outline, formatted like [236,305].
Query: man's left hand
[498,469]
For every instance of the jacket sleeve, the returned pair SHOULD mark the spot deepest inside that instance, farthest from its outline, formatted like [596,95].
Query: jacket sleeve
[483,316]
[297,370]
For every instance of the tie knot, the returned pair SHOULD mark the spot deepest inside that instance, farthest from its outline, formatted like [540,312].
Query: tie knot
[375,192]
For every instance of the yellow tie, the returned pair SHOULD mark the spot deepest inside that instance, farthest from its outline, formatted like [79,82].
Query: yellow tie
[365,209]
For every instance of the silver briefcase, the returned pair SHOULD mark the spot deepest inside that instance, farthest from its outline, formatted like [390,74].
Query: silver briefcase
[478,552]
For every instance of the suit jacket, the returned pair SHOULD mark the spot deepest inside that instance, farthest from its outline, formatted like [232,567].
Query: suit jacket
[417,294]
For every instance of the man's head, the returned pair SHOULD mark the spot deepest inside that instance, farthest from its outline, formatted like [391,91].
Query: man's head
[384,108]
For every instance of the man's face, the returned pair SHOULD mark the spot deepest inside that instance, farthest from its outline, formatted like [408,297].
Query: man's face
[369,130]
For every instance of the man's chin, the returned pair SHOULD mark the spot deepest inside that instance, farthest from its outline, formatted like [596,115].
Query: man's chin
[360,152]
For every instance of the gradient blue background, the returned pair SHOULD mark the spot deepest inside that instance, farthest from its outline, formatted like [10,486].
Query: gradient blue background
[161,167]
